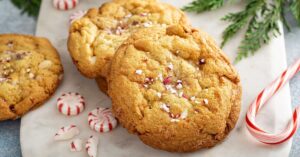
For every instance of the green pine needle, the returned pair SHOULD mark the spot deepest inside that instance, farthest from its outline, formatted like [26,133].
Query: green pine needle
[30,7]
[260,17]
[240,19]
[295,9]
[260,29]
[203,5]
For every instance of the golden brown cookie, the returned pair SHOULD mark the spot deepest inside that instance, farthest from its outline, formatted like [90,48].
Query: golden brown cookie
[102,84]
[30,71]
[94,38]
[175,89]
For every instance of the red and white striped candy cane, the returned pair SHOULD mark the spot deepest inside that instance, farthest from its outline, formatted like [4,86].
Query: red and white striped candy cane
[262,98]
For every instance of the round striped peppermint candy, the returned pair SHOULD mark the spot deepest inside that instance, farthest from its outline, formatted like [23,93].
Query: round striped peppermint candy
[65,4]
[70,104]
[102,120]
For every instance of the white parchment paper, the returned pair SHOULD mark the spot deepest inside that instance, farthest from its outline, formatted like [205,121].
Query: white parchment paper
[39,126]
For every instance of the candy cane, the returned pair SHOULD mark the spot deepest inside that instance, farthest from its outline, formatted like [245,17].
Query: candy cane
[262,98]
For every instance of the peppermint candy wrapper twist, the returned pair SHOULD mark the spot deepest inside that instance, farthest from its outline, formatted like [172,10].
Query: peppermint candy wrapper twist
[262,98]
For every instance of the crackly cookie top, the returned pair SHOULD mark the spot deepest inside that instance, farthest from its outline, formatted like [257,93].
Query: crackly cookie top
[94,38]
[29,73]
[174,86]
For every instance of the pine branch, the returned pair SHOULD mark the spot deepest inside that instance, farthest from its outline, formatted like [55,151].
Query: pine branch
[295,9]
[240,19]
[203,5]
[260,29]
[30,7]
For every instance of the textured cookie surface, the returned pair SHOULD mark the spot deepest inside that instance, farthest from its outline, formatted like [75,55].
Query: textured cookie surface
[30,71]
[174,88]
[94,38]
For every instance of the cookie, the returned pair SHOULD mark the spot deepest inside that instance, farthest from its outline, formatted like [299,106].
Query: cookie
[102,84]
[174,88]
[30,71]
[94,38]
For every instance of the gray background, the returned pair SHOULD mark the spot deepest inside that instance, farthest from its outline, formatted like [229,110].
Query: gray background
[12,22]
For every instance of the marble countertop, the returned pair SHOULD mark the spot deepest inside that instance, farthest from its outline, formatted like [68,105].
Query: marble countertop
[12,22]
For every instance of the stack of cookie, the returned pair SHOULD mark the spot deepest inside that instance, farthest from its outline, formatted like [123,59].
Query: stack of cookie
[169,83]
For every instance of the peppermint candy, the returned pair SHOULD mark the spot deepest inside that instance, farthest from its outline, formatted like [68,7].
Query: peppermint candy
[65,4]
[262,98]
[70,104]
[102,120]
[76,145]
[76,15]
[66,132]
[91,146]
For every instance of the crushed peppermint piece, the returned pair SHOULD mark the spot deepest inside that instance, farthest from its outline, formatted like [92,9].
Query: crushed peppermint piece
[171,89]
[145,85]
[170,66]
[2,79]
[160,77]
[174,116]
[158,94]
[165,107]
[128,15]
[193,98]
[205,101]
[144,14]
[119,30]
[202,61]
[167,80]
[179,86]
[184,114]
[139,72]
[147,24]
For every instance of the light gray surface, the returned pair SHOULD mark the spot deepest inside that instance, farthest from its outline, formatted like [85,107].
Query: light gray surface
[12,22]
